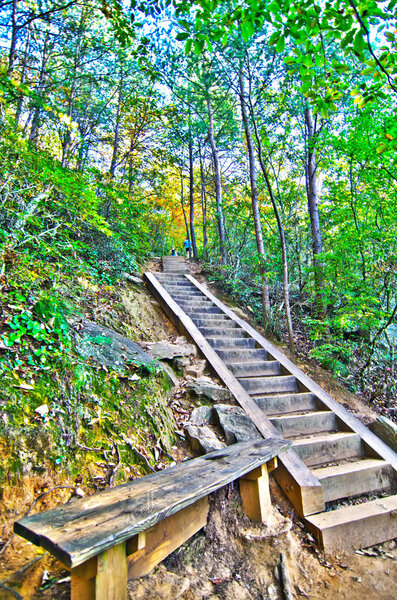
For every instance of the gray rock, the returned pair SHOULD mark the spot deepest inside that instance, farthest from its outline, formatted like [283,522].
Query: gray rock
[201,415]
[236,424]
[386,430]
[196,370]
[202,439]
[133,279]
[205,387]
[107,347]
[165,350]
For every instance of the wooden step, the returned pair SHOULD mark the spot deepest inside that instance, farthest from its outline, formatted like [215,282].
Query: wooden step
[210,332]
[269,385]
[328,448]
[286,403]
[256,368]
[193,303]
[212,321]
[207,317]
[306,424]
[242,354]
[356,478]
[201,310]
[358,526]
[228,342]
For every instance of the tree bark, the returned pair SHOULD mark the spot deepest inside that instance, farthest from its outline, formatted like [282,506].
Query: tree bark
[40,87]
[23,76]
[191,200]
[14,33]
[283,243]
[184,212]
[255,204]
[203,205]
[116,141]
[217,184]
[312,201]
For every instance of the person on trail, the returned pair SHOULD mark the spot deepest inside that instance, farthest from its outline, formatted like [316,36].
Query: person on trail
[173,251]
[186,246]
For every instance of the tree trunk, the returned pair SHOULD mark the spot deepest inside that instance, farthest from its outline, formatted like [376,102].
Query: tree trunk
[255,204]
[284,253]
[191,201]
[183,210]
[35,114]
[203,206]
[76,63]
[23,76]
[14,33]
[218,184]
[312,201]
[116,141]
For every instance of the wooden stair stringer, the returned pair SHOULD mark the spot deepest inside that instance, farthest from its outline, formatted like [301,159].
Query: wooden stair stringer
[299,484]
[373,443]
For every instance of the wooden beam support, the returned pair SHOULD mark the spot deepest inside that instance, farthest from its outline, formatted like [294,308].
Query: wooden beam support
[167,536]
[255,494]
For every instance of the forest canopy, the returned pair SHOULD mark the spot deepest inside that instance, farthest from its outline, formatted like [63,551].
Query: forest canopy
[265,132]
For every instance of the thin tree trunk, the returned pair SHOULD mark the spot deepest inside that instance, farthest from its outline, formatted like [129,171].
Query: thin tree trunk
[312,201]
[35,117]
[68,135]
[255,204]
[116,141]
[217,183]
[203,206]
[191,200]
[23,76]
[14,33]
[284,254]
[184,212]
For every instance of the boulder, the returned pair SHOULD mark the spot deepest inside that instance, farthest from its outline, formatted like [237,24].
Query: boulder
[108,348]
[386,430]
[201,415]
[205,387]
[236,424]
[202,438]
[164,350]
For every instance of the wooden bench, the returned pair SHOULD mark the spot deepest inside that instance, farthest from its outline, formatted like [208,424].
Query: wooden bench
[125,531]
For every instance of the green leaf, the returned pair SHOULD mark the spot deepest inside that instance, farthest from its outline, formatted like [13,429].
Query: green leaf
[183,35]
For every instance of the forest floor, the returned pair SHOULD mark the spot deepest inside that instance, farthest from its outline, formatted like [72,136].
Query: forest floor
[231,559]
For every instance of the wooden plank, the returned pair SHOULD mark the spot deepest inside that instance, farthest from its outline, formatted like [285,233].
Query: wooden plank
[356,478]
[358,526]
[328,448]
[307,424]
[167,536]
[379,447]
[300,485]
[111,579]
[255,495]
[76,532]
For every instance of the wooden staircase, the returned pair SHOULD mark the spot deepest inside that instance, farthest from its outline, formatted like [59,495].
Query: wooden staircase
[333,457]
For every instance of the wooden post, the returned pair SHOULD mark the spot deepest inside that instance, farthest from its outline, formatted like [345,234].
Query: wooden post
[255,494]
[82,585]
[111,579]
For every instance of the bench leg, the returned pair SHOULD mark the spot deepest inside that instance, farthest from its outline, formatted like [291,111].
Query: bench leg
[111,578]
[103,577]
[255,494]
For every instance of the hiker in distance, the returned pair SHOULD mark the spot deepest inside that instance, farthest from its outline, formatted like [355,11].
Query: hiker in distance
[186,246]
